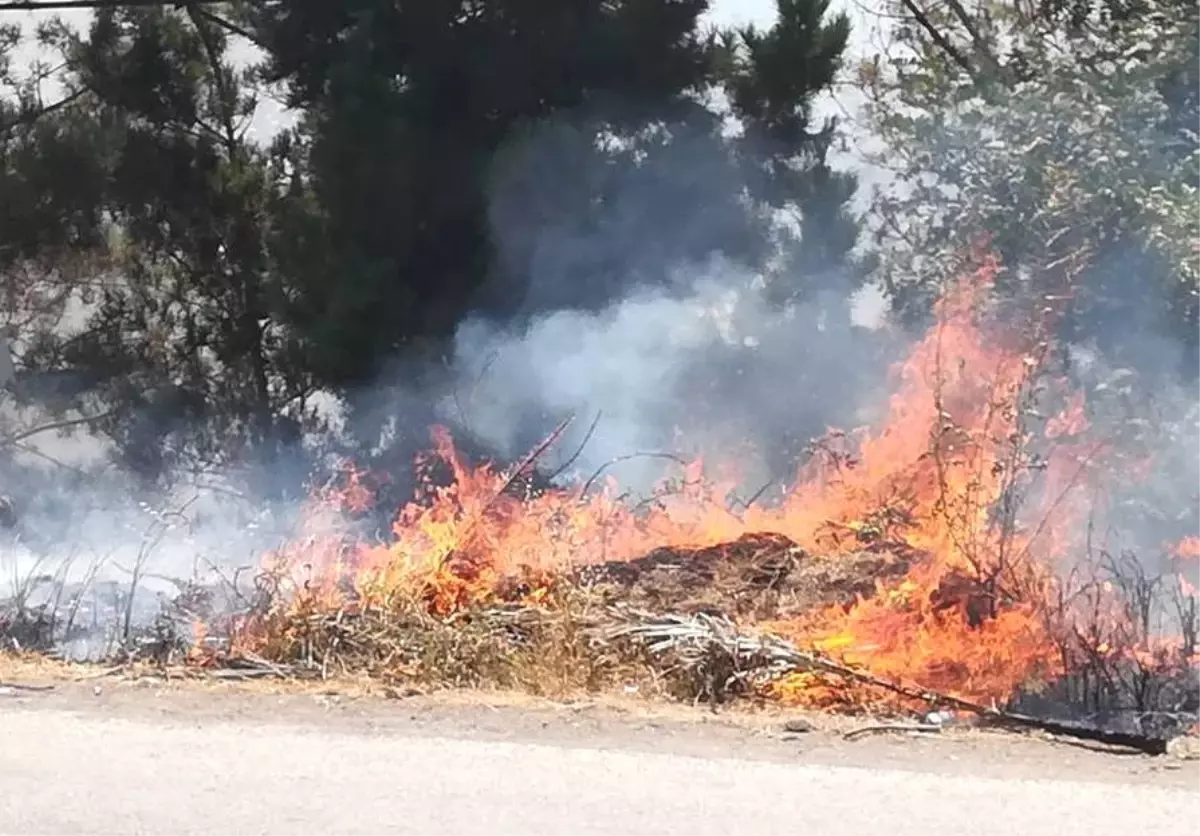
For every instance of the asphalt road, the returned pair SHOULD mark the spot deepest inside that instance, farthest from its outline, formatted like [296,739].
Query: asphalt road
[73,773]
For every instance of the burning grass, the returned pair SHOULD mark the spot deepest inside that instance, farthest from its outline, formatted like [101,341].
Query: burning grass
[941,556]
[932,550]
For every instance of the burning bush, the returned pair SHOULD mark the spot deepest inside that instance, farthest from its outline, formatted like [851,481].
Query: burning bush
[951,542]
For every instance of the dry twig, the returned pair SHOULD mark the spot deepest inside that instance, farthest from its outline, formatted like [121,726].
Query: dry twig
[893,728]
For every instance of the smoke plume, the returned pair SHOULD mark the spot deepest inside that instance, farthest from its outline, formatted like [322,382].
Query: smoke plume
[678,320]
[705,365]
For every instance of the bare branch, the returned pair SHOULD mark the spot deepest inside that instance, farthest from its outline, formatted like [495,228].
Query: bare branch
[52,426]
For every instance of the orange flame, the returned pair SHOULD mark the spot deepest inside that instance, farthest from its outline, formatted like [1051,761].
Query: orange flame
[941,479]
[1187,549]
[1187,553]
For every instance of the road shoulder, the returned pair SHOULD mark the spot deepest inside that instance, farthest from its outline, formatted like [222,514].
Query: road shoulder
[609,723]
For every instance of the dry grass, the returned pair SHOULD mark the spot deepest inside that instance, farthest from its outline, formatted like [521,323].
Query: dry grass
[545,650]
[38,667]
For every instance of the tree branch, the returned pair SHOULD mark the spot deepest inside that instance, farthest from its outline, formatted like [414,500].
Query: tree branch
[53,425]
[31,116]
[940,39]
[981,47]
[39,5]
[54,5]
[227,25]
[228,99]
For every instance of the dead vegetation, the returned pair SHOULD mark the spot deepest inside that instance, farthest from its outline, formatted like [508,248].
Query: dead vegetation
[758,577]
[927,578]
[674,623]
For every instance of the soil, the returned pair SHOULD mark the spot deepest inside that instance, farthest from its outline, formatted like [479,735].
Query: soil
[617,722]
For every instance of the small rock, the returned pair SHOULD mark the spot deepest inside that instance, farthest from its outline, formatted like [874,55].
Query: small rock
[798,725]
[97,690]
[1185,747]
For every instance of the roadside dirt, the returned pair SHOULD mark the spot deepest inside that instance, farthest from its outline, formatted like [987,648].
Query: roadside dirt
[628,723]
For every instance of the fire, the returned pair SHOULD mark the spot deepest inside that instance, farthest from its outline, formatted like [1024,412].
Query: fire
[1187,555]
[941,481]
[1187,549]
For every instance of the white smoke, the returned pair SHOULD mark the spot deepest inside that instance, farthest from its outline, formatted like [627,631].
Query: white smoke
[704,365]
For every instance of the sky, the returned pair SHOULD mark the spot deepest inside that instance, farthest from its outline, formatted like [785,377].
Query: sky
[865,15]
[744,11]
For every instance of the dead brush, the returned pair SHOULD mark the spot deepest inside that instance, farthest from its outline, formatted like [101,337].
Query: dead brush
[701,658]
[716,658]
[560,654]
[545,649]
[1131,647]
[33,617]
[1125,634]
